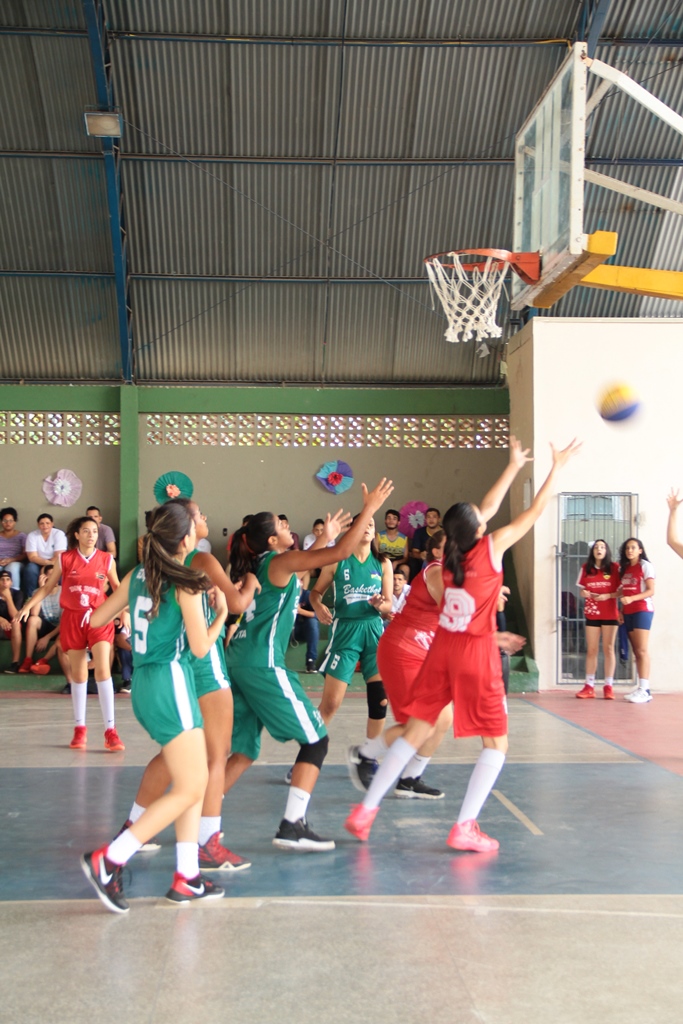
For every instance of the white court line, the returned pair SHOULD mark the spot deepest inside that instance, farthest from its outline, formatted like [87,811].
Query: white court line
[520,815]
[476,909]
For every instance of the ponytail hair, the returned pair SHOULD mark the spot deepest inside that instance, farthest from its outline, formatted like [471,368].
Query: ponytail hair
[432,544]
[623,560]
[167,526]
[250,541]
[74,527]
[460,525]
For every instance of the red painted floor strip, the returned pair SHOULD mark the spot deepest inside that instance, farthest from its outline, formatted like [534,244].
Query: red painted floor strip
[652,731]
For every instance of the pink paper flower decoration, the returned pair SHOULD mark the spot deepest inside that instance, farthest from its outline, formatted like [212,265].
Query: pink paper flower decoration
[64,488]
[412,516]
[173,491]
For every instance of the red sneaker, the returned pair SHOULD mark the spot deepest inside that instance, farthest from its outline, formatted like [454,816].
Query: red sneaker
[41,667]
[25,666]
[360,820]
[608,691]
[213,856]
[467,836]
[80,738]
[112,741]
[187,890]
[586,693]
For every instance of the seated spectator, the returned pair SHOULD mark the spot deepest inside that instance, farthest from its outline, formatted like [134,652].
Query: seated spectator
[106,541]
[307,628]
[418,549]
[41,546]
[124,652]
[12,545]
[42,628]
[311,538]
[296,546]
[11,600]
[390,542]
[400,592]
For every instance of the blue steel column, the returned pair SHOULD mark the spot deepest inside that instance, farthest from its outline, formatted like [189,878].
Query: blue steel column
[99,52]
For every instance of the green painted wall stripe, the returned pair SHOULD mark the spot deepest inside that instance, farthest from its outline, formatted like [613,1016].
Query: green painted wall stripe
[361,401]
[349,401]
[129,478]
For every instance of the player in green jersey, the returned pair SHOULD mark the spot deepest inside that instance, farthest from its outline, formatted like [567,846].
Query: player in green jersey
[168,623]
[362,586]
[212,686]
[266,693]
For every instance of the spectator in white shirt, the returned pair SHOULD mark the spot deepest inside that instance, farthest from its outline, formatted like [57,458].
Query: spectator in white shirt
[41,547]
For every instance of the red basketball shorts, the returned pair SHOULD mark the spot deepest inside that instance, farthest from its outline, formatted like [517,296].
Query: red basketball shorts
[399,664]
[76,633]
[464,669]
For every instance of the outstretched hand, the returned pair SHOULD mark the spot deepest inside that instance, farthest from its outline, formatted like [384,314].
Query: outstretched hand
[673,500]
[518,456]
[562,456]
[375,499]
[336,524]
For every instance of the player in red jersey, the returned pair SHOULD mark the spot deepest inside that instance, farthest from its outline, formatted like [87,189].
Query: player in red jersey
[598,584]
[463,664]
[636,593]
[84,572]
[407,639]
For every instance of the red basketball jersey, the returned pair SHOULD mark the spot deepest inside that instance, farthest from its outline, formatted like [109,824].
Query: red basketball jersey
[472,607]
[417,623]
[633,582]
[84,579]
[600,582]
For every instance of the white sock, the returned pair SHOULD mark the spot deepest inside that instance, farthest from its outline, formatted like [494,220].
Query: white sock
[187,859]
[415,767]
[375,748]
[297,804]
[105,692]
[644,684]
[136,812]
[482,780]
[590,681]
[385,778]
[79,695]
[207,827]
[121,849]
[609,680]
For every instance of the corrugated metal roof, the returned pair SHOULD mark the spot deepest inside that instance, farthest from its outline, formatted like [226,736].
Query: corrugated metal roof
[45,14]
[58,329]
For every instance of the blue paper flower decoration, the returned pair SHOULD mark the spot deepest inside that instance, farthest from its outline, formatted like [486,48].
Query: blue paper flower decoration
[336,477]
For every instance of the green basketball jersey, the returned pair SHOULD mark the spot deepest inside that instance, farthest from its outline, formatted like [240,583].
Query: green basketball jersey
[159,640]
[354,584]
[264,629]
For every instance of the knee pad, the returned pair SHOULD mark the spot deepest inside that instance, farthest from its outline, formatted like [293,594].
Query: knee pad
[313,753]
[377,700]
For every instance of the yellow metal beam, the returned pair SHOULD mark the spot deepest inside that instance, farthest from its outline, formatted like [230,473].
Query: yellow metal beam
[659,284]
[599,247]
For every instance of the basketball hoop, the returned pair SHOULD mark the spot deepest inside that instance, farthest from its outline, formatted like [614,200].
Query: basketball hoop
[469,287]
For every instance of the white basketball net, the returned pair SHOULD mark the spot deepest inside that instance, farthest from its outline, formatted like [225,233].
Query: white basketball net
[469,298]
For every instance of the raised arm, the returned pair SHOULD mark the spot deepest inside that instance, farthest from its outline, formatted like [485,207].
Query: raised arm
[491,501]
[509,535]
[238,599]
[673,501]
[282,567]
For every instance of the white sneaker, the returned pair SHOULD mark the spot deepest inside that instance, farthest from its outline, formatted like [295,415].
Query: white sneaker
[639,696]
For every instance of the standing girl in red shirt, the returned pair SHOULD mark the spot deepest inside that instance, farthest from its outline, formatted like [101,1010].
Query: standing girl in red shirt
[599,582]
[84,572]
[636,593]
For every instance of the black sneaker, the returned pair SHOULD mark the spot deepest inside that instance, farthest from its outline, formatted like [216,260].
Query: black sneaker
[125,686]
[106,883]
[298,835]
[12,669]
[310,667]
[415,789]
[67,689]
[189,890]
[361,769]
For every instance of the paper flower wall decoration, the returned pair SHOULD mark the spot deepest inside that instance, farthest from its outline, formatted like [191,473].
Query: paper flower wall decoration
[412,517]
[172,485]
[336,477]
[64,488]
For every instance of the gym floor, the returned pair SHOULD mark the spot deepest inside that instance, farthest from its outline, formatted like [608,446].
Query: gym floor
[578,917]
